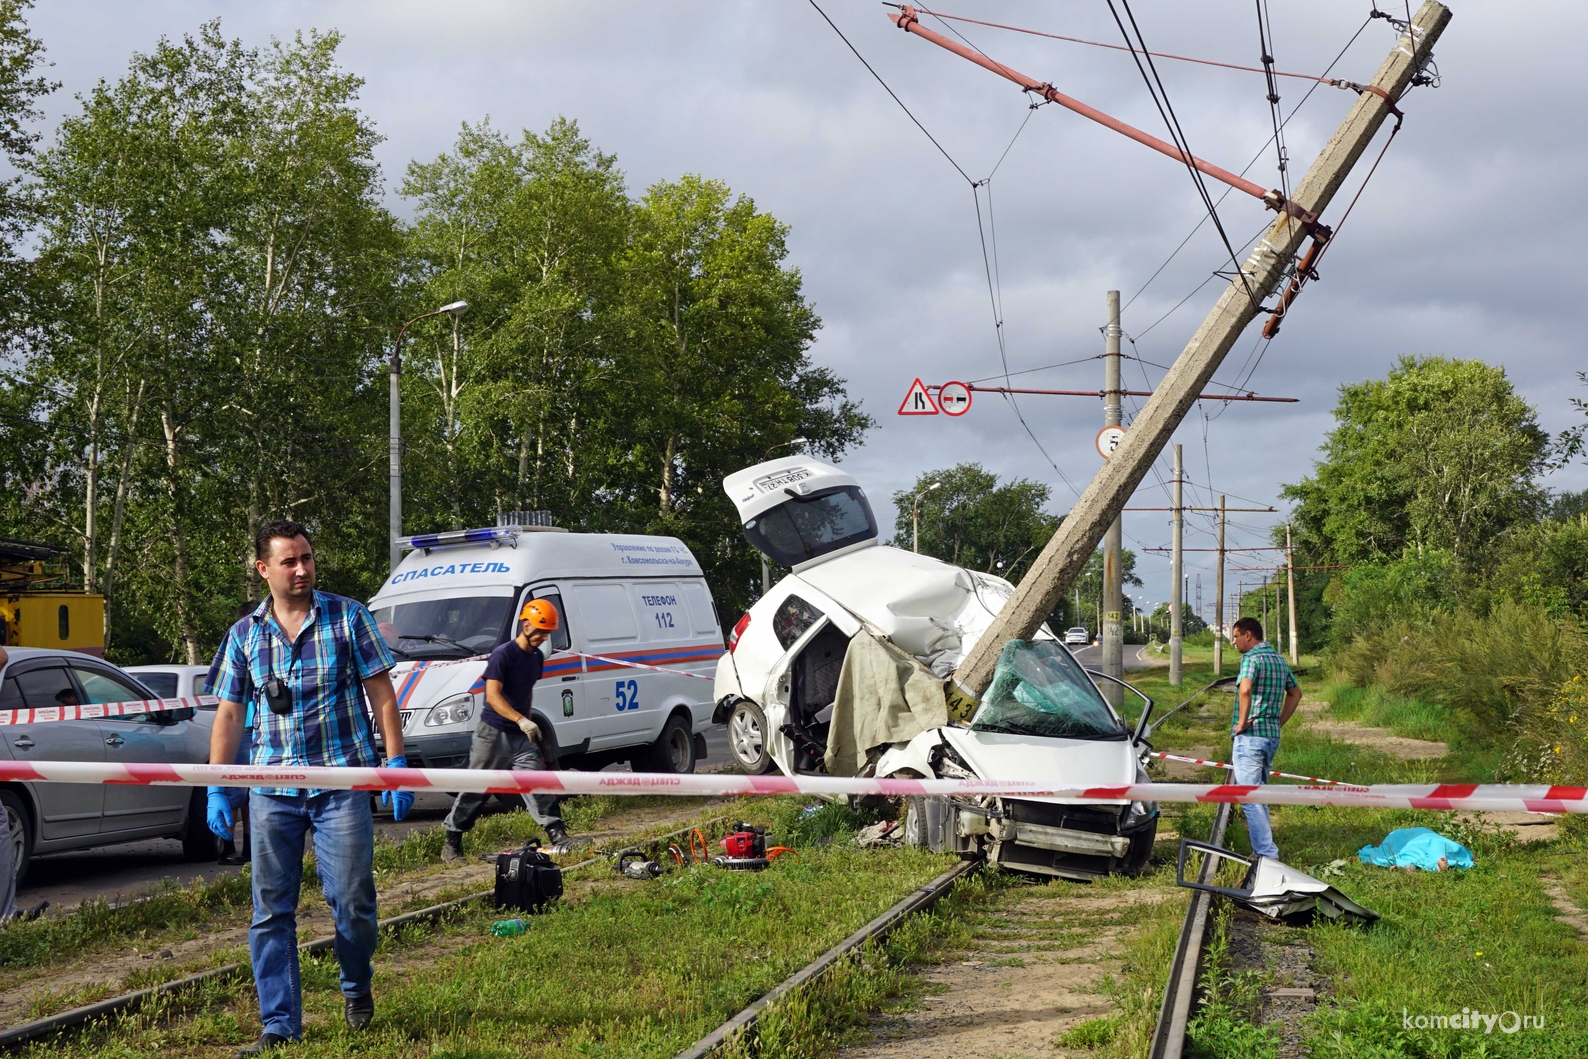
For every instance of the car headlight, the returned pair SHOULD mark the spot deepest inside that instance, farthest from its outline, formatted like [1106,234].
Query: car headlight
[1139,810]
[455,710]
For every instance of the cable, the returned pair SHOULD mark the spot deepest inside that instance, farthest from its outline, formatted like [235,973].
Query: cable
[1265,37]
[890,92]
[1045,367]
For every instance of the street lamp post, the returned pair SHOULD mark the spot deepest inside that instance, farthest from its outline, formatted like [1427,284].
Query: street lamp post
[766,568]
[395,441]
[915,515]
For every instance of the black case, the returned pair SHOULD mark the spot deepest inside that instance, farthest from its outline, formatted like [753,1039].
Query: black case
[526,879]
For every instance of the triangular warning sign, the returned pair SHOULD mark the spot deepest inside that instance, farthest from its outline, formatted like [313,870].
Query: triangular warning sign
[918,402]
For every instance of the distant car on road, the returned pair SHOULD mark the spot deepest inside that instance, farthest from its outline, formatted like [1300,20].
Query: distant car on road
[52,817]
[1077,637]
[172,681]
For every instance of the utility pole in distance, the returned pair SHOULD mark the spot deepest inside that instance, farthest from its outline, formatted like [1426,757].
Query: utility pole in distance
[1177,593]
[1113,631]
[1072,545]
[1218,601]
[1290,576]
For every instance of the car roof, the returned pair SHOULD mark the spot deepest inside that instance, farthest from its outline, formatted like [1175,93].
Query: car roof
[20,653]
[167,667]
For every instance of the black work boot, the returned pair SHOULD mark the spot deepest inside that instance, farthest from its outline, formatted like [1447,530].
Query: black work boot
[358,1010]
[452,852]
[557,840]
[267,1042]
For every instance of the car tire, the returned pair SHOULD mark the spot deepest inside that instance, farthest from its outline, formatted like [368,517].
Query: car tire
[1140,849]
[673,751]
[747,740]
[19,833]
[199,844]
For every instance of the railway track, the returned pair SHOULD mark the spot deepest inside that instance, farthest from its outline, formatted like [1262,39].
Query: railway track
[1168,1037]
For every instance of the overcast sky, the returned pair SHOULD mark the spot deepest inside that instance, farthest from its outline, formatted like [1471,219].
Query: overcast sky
[1463,245]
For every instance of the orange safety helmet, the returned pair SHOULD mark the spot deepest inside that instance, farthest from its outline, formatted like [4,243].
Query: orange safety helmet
[540,613]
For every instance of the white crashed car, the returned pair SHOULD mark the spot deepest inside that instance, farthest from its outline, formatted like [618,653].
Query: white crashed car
[776,684]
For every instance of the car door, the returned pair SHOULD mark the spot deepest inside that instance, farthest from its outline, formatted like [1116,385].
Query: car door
[560,693]
[143,737]
[66,810]
[606,626]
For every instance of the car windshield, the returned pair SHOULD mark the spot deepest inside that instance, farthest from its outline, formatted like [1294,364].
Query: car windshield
[445,628]
[809,526]
[1038,690]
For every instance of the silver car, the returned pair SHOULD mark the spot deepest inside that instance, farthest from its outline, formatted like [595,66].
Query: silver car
[52,817]
[1077,637]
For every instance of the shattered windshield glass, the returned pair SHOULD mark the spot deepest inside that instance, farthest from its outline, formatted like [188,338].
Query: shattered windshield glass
[1038,690]
[808,526]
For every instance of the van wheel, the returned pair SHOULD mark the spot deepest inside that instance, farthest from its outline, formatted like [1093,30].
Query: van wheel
[673,751]
[199,843]
[18,832]
[747,738]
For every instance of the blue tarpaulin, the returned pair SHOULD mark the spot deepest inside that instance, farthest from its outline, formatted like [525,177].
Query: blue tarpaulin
[1416,847]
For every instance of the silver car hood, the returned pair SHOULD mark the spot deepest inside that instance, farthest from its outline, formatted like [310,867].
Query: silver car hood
[1066,762]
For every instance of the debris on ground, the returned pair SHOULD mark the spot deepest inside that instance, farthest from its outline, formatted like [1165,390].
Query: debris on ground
[1275,889]
[1417,847]
[881,833]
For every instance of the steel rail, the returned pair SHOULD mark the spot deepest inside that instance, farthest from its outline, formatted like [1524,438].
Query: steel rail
[918,901]
[116,1005]
[1168,1035]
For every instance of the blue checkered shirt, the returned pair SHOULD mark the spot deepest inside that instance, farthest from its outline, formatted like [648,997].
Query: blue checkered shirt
[338,648]
[1271,678]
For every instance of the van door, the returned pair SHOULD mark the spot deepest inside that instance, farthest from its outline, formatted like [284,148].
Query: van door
[605,625]
[560,695]
[66,810]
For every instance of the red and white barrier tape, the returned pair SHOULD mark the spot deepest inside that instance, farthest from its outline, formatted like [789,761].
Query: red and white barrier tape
[1222,765]
[641,665]
[99,710]
[1470,796]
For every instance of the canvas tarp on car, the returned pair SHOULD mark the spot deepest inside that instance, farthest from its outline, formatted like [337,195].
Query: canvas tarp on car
[884,696]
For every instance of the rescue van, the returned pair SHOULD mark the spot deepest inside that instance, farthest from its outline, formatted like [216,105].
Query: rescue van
[628,671]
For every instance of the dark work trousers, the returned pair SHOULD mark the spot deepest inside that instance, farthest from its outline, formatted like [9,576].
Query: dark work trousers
[493,749]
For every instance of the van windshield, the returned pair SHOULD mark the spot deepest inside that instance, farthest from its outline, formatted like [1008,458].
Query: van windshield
[809,526]
[445,628]
[1038,690]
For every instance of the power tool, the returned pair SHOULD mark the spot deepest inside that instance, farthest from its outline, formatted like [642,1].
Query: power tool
[744,849]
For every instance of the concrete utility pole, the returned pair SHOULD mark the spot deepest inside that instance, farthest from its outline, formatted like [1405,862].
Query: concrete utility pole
[1177,595]
[1218,601]
[1290,576]
[1092,515]
[1113,633]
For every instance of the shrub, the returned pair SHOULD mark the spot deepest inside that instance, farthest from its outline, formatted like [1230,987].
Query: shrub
[1552,737]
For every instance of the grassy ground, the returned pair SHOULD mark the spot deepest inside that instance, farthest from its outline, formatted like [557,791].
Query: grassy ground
[619,968]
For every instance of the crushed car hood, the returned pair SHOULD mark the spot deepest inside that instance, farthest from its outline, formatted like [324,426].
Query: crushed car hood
[930,608]
[1072,762]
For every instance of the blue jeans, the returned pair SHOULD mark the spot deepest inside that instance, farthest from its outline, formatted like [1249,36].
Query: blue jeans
[344,849]
[1254,757]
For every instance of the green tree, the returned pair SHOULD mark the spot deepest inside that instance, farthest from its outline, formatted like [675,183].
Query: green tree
[971,520]
[1441,455]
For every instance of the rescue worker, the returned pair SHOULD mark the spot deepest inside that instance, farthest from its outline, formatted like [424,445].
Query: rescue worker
[505,737]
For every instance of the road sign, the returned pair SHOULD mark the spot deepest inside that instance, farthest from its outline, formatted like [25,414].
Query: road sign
[918,402]
[954,397]
[1108,440]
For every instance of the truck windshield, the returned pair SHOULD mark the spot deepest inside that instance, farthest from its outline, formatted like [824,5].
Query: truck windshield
[445,628]
[809,526]
[1038,690]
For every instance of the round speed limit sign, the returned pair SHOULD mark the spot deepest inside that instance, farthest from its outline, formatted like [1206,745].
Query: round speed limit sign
[1108,439]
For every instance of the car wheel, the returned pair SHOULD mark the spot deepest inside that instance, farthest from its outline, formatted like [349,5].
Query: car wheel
[198,841]
[18,832]
[747,738]
[1140,849]
[673,751]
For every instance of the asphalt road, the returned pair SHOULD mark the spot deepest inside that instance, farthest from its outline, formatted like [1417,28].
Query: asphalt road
[134,869]
[1136,657]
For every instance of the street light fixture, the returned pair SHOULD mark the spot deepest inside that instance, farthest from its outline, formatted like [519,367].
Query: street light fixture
[915,515]
[455,309]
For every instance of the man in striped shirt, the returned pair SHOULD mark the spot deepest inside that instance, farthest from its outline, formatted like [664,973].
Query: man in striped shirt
[305,660]
[1268,694]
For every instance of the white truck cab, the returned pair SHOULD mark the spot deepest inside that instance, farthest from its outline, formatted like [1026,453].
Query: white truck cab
[622,600]
[776,684]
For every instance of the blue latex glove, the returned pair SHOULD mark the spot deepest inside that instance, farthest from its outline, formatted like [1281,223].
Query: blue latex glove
[400,802]
[219,813]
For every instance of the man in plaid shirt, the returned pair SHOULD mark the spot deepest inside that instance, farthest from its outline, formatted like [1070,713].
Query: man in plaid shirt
[305,660]
[1268,694]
